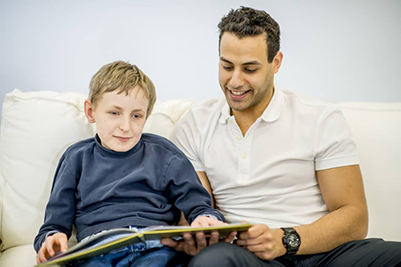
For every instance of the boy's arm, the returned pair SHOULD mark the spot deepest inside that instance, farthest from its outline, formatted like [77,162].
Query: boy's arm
[60,209]
[186,191]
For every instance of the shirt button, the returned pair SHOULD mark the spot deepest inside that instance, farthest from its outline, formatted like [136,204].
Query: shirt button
[243,156]
[238,137]
[231,121]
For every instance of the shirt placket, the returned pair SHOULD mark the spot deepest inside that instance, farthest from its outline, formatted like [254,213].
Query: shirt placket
[242,145]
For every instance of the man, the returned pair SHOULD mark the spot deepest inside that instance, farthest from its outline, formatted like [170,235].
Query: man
[284,162]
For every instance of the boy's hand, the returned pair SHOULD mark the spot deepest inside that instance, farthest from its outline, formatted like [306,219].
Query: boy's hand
[202,221]
[192,245]
[52,245]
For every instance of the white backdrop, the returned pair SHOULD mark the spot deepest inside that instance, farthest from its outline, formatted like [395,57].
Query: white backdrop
[334,50]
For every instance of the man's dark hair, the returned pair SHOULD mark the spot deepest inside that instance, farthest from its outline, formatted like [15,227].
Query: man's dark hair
[246,21]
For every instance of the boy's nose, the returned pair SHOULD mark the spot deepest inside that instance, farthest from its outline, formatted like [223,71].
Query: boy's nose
[124,125]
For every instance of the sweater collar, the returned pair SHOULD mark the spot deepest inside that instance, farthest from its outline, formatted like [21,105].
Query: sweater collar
[116,154]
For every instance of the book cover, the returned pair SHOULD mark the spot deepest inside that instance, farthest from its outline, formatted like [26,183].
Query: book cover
[93,247]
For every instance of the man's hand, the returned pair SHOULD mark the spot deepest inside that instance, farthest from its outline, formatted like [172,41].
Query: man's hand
[52,245]
[266,243]
[192,246]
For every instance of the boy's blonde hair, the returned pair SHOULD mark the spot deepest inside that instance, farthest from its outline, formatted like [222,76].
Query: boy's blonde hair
[121,76]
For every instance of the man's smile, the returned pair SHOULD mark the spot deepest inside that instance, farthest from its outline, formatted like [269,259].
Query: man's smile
[238,95]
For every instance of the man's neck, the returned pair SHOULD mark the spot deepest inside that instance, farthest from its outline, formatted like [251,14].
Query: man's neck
[246,118]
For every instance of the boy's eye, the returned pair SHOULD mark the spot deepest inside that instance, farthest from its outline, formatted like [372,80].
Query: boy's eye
[137,116]
[113,112]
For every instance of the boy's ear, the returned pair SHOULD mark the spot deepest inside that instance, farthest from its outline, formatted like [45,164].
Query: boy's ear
[89,110]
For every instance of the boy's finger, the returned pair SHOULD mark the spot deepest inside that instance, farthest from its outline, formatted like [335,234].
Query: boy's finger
[38,261]
[195,224]
[205,223]
[41,255]
[63,244]
[49,248]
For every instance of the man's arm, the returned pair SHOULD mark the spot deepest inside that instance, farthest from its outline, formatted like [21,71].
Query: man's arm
[342,190]
[206,184]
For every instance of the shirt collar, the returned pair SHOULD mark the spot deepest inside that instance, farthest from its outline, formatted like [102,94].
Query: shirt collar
[271,113]
[225,113]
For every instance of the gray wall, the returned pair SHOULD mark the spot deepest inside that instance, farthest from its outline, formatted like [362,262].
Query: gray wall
[334,50]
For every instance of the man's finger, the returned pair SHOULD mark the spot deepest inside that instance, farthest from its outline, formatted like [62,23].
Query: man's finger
[257,230]
[256,248]
[249,242]
[231,237]
[169,242]
[190,247]
[214,238]
[200,240]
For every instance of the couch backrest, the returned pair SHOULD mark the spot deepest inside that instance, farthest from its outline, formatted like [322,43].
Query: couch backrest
[36,129]
[376,128]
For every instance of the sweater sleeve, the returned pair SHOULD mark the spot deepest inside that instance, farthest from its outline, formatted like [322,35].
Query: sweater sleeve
[186,191]
[60,209]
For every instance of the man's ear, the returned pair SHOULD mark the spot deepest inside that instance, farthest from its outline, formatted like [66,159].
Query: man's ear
[278,59]
[89,110]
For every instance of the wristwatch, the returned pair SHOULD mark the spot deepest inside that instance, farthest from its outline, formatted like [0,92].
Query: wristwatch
[291,240]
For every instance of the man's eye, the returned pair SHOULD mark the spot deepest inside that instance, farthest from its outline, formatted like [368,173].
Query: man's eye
[227,67]
[250,70]
[137,116]
[113,113]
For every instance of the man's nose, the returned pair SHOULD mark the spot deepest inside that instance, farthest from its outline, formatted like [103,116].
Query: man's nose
[237,80]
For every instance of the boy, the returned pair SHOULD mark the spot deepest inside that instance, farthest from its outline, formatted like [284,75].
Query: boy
[121,177]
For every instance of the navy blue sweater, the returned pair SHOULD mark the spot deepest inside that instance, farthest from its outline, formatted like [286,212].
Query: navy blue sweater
[98,189]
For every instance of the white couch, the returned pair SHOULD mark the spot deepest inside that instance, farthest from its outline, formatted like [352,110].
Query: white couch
[37,127]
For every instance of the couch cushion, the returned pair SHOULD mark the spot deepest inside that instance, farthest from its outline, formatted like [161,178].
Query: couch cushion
[36,129]
[376,128]
[21,256]
[165,115]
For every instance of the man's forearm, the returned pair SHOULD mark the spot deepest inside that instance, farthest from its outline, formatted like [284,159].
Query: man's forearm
[345,224]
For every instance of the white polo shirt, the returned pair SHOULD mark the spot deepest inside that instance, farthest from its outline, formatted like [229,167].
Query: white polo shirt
[267,176]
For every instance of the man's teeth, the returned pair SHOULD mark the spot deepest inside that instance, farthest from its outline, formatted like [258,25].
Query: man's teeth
[237,93]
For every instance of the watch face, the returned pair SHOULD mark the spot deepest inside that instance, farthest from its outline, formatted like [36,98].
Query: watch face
[293,240]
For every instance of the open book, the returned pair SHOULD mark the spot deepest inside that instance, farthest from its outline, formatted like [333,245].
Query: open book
[93,246]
